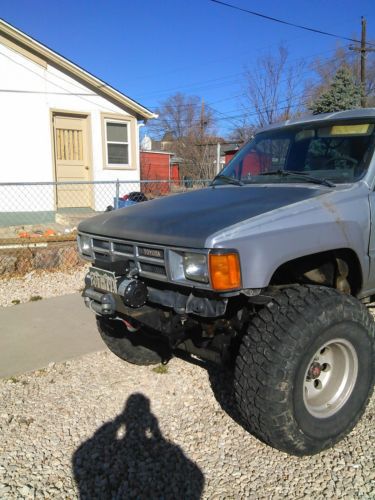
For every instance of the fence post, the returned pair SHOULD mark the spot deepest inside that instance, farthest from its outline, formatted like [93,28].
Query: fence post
[117,193]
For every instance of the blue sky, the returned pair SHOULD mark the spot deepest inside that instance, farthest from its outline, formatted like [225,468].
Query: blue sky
[150,49]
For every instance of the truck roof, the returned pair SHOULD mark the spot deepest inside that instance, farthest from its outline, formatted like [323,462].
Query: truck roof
[362,113]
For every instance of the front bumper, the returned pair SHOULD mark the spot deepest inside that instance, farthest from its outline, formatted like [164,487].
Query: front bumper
[111,305]
[178,332]
[132,295]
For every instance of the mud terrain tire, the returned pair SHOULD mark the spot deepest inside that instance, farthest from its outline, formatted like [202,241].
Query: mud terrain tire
[280,366]
[128,346]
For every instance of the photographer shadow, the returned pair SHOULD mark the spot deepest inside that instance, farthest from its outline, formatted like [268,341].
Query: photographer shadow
[128,457]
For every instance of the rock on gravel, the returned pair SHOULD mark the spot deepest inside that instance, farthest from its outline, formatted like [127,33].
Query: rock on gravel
[44,284]
[97,427]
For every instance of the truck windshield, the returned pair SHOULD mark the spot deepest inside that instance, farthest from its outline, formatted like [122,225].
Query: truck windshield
[329,155]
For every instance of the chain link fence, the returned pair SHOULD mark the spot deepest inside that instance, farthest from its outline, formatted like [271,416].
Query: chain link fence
[38,220]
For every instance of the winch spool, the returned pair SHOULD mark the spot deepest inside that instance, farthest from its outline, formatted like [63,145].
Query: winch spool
[133,292]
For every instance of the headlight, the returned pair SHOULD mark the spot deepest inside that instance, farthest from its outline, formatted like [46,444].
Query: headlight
[84,245]
[195,267]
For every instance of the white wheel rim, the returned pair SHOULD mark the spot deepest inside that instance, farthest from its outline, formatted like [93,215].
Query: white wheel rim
[330,378]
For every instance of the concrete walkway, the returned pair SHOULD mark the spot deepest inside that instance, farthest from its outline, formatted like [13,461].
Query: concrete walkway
[37,333]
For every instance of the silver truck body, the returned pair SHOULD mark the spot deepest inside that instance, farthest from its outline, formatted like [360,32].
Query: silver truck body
[268,224]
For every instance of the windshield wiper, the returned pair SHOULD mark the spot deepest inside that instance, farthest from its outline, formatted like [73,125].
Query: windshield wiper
[312,178]
[227,180]
[305,175]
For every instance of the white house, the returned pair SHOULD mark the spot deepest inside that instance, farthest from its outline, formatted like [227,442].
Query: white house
[60,123]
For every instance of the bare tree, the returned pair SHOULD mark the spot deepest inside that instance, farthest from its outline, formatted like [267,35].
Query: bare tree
[197,155]
[188,129]
[271,88]
[242,131]
[181,115]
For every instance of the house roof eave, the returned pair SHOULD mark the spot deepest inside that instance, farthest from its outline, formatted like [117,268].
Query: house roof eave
[73,69]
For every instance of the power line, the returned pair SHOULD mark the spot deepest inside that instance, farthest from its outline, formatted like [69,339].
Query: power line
[200,84]
[288,23]
[243,73]
[209,61]
[242,94]
[246,114]
[255,112]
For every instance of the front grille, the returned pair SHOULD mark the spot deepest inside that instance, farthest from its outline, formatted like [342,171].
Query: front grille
[101,244]
[123,248]
[102,257]
[149,260]
[153,268]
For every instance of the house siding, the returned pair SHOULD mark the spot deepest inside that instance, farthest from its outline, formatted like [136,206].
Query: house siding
[31,92]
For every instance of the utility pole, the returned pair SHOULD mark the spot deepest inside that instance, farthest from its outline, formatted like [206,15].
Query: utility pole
[363,50]
[202,140]
[363,62]
[202,119]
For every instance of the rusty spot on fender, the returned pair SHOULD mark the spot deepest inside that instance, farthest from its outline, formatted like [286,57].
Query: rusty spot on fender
[341,224]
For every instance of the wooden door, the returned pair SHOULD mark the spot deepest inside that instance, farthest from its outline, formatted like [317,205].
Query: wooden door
[72,160]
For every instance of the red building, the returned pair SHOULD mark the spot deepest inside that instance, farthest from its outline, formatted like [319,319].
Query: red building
[158,166]
[229,149]
[229,155]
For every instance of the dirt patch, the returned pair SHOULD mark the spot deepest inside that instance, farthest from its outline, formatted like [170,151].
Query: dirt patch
[52,256]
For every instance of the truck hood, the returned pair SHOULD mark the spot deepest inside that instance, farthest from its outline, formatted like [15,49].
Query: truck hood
[188,219]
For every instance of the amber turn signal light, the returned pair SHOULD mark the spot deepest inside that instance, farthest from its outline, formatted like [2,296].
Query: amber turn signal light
[225,271]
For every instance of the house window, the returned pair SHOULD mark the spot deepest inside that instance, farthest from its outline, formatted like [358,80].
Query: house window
[117,143]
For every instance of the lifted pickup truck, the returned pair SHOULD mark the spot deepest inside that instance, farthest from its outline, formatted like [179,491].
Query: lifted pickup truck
[267,269]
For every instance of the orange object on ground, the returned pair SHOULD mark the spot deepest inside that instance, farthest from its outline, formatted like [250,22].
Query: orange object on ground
[49,232]
[24,234]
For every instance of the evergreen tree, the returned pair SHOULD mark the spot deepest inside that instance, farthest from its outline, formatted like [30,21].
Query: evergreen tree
[342,94]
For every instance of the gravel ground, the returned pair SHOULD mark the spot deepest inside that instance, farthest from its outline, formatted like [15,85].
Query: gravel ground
[101,428]
[40,283]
